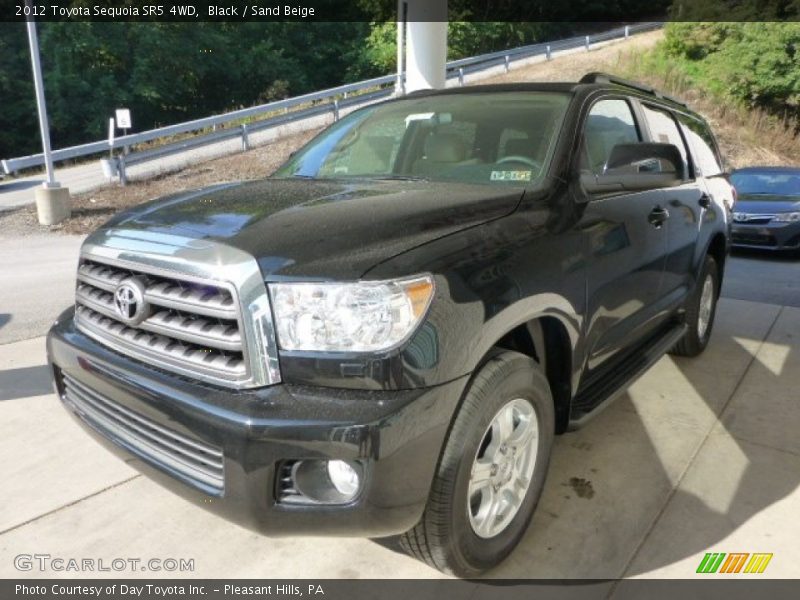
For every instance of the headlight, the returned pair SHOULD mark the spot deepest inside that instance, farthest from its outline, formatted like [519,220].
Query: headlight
[364,316]
[790,217]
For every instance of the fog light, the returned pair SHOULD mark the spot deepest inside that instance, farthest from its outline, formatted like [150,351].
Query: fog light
[344,477]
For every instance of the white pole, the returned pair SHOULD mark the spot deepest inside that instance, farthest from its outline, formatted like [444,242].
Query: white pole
[426,45]
[39,85]
[401,51]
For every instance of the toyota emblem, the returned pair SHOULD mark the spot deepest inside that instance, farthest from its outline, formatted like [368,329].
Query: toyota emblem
[129,301]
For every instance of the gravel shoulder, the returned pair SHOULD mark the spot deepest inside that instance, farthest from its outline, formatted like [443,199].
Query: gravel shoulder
[92,209]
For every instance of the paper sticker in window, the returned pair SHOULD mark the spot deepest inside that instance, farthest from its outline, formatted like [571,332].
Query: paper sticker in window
[510,176]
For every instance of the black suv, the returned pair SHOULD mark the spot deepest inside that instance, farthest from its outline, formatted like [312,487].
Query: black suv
[384,337]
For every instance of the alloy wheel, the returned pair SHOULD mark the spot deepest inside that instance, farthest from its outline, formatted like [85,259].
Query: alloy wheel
[503,467]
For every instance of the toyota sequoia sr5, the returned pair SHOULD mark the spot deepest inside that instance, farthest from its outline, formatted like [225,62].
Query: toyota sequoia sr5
[384,337]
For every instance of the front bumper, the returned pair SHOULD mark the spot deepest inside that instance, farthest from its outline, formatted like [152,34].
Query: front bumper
[396,436]
[768,236]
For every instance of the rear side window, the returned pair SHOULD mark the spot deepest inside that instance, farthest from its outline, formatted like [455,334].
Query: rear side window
[707,160]
[610,122]
[664,130]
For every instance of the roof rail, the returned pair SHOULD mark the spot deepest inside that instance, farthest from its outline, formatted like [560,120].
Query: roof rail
[598,77]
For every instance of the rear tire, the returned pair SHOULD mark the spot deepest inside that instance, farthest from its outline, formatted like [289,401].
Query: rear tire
[499,442]
[700,311]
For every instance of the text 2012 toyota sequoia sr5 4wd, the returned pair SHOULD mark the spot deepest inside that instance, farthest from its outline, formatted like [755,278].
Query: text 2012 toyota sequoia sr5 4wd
[384,337]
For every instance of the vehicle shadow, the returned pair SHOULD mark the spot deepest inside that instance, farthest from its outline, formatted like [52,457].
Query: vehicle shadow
[25,382]
[634,472]
[15,186]
[763,276]
[750,460]
[767,255]
[610,482]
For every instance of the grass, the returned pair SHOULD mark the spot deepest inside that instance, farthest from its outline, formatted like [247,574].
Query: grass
[747,136]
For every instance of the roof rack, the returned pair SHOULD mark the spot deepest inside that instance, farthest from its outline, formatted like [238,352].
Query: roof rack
[598,77]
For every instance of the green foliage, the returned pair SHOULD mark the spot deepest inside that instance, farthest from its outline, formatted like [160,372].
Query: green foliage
[463,39]
[695,41]
[164,72]
[734,10]
[466,38]
[521,11]
[19,128]
[380,51]
[756,64]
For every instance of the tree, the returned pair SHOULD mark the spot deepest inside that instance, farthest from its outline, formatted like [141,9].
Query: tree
[18,122]
[757,64]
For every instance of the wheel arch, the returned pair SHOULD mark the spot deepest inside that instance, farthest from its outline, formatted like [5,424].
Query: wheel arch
[718,250]
[546,339]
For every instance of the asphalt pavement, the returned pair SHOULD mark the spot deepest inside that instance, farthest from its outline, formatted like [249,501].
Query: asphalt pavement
[763,276]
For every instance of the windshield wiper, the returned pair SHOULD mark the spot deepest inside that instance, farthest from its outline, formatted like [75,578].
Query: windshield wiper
[399,178]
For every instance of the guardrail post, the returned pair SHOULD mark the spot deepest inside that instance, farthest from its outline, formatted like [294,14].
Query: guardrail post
[627,31]
[245,138]
[461,76]
[335,110]
[508,62]
[548,54]
[123,176]
[587,43]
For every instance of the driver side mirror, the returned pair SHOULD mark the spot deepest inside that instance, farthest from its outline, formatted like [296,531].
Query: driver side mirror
[637,167]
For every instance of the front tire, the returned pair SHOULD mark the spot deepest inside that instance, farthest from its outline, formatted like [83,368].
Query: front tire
[700,311]
[491,472]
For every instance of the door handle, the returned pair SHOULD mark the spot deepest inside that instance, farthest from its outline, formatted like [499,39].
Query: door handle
[657,216]
[705,201]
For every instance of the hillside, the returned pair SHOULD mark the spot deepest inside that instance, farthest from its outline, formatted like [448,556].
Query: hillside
[746,137]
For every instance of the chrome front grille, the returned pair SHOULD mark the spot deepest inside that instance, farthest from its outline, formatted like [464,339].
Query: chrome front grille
[752,219]
[196,462]
[193,326]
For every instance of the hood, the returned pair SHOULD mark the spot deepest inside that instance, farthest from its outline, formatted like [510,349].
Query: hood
[325,229]
[766,205]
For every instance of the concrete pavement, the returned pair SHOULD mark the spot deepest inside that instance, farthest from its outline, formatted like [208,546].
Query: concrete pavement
[37,282]
[700,455]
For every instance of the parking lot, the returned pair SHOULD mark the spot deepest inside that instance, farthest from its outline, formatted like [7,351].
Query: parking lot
[699,456]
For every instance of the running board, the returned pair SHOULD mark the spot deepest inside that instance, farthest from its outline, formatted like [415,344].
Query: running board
[589,402]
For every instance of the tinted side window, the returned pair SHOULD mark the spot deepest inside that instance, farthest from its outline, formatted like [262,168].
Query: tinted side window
[664,130]
[704,149]
[610,122]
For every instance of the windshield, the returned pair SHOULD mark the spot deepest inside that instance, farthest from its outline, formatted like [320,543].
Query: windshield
[767,183]
[491,138]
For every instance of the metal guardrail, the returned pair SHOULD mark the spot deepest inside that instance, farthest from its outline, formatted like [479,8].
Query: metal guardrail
[244,130]
[325,101]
